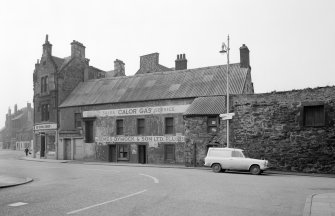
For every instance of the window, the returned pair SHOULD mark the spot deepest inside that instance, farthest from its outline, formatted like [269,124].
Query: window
[89,131]
[169,126]
[44,84]
[169,152]
[140,126]
[77,120]
[45,112]
[119,127]
[123,152]
[314,115]
[212,124]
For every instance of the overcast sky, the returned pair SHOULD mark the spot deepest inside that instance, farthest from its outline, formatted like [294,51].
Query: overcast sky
[291,42]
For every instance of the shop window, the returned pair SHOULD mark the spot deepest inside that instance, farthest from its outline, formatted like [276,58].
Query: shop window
[45,112]
[89,131]
[169,152]
[212,124]
[314,116]
[140,126]
[169,126]
[123,152]
[119,127]
[77,120]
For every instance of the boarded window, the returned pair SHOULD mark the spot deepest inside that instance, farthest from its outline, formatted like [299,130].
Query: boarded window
[212,124]
[77,120]
[140,126]
[119,127]
[169,126]
[169,152]
[123,152]
[89,131]
[314,115]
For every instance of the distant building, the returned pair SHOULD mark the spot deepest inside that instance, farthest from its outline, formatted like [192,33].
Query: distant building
[18,131]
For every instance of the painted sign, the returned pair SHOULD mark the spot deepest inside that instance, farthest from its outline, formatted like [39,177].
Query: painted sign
[150,139]
[227,116]
[136,111]
[45,127]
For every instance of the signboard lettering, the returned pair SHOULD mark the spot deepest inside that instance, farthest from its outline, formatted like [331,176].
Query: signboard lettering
[150,139]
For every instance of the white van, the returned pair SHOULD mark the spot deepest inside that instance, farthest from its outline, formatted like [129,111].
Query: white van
[222,159]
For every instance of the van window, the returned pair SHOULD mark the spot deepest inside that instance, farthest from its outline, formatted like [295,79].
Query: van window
[219,153]
[237,154]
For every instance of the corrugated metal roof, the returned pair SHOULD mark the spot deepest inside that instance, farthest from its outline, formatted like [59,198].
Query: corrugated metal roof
[191,83]
[207,106]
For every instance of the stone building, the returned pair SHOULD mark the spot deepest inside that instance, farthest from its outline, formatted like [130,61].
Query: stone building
[140,118]
[18,131]
[54,79]
[294,130]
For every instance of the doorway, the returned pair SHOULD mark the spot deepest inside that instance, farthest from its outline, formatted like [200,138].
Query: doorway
[42,153]
[142,154]
[112,153]
[67,149]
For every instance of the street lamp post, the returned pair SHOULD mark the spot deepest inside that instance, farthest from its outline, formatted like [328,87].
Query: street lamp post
[225,49]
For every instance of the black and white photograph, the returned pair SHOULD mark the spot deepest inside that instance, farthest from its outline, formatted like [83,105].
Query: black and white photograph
[167,107]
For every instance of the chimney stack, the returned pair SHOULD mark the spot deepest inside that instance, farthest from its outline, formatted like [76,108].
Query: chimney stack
[119,68]
[244,57]
[77,49]
[15,109]
[47,47]
[181,62]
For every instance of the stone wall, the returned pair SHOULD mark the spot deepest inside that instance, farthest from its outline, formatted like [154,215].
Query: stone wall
[271,126]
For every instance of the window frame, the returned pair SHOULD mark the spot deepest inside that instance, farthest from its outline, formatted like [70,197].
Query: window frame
[210,124]
[117,131]
[140,128]
[78,120]
[45,114]
[310,113]
[169,129]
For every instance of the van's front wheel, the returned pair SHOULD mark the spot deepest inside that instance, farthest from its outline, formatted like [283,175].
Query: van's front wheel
[216,168]
[255,170]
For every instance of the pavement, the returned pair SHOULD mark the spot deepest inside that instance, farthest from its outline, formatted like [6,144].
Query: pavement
[315,205]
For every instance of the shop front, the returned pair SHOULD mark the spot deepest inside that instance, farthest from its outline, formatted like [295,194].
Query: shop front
[45,140]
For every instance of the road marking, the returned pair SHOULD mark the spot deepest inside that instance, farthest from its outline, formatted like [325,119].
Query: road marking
[154,178]
[116,171]
[17,204]
[117,199]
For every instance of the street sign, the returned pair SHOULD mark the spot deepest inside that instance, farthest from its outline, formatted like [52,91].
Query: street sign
[227,116]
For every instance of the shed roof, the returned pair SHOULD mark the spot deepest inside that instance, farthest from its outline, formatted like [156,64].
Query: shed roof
[191,83]
[207,106]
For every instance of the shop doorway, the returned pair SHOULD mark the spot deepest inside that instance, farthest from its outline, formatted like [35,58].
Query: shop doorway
[112,153]
[42,152]
[67,149]
[142,154]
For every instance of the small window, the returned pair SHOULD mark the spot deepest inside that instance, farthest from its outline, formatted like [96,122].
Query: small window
[45,112]
[314,116]
[123,152]
[169,126]
[77,120]
[89,131]
[119,127]
[169,152]
[212,124]
[140,126]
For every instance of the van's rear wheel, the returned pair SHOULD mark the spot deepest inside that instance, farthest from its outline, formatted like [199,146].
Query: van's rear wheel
[216,168]
[255,170]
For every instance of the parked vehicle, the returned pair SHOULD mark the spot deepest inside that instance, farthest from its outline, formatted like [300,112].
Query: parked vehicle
[222,159]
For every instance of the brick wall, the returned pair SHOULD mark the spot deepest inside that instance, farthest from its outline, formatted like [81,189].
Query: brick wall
[271,126]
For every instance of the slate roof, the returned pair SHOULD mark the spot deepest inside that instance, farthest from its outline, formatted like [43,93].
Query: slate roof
[207,106]
[191,83]
[58,61]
